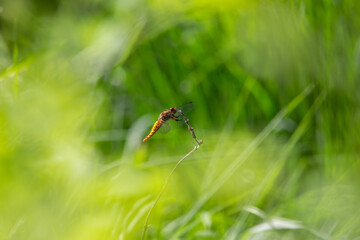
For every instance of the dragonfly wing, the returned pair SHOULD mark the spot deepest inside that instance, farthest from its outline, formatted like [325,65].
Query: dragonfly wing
[165,128]
[187,107]
[176,124]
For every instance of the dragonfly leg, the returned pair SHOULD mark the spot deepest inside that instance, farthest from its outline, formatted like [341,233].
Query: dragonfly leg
[178,118]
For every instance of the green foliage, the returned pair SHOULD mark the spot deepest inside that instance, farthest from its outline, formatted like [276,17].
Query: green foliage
[275,90]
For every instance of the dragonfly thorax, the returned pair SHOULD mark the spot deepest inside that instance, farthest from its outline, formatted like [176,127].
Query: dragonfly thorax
[166,115]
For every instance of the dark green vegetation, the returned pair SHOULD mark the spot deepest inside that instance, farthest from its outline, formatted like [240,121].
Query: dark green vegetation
[277,105]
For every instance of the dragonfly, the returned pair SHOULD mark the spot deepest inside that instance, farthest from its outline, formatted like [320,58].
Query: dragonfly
[174,113]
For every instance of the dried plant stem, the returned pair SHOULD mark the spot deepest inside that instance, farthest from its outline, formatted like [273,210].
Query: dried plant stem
[171,173]
[192,131]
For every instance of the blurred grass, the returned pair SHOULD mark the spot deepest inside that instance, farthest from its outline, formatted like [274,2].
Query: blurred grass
[81,83]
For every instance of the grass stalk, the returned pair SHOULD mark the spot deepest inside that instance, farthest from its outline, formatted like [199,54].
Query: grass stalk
[199,142]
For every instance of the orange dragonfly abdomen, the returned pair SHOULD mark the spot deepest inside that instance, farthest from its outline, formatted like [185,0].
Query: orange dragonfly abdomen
[156,127]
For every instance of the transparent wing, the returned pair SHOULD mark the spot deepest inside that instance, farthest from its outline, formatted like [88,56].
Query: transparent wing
[176,124]
[165,128]
[187,107]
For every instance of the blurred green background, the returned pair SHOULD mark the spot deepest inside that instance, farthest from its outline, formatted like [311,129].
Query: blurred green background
[275,87]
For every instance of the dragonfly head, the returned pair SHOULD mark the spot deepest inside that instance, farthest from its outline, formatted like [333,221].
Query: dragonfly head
[173,110]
